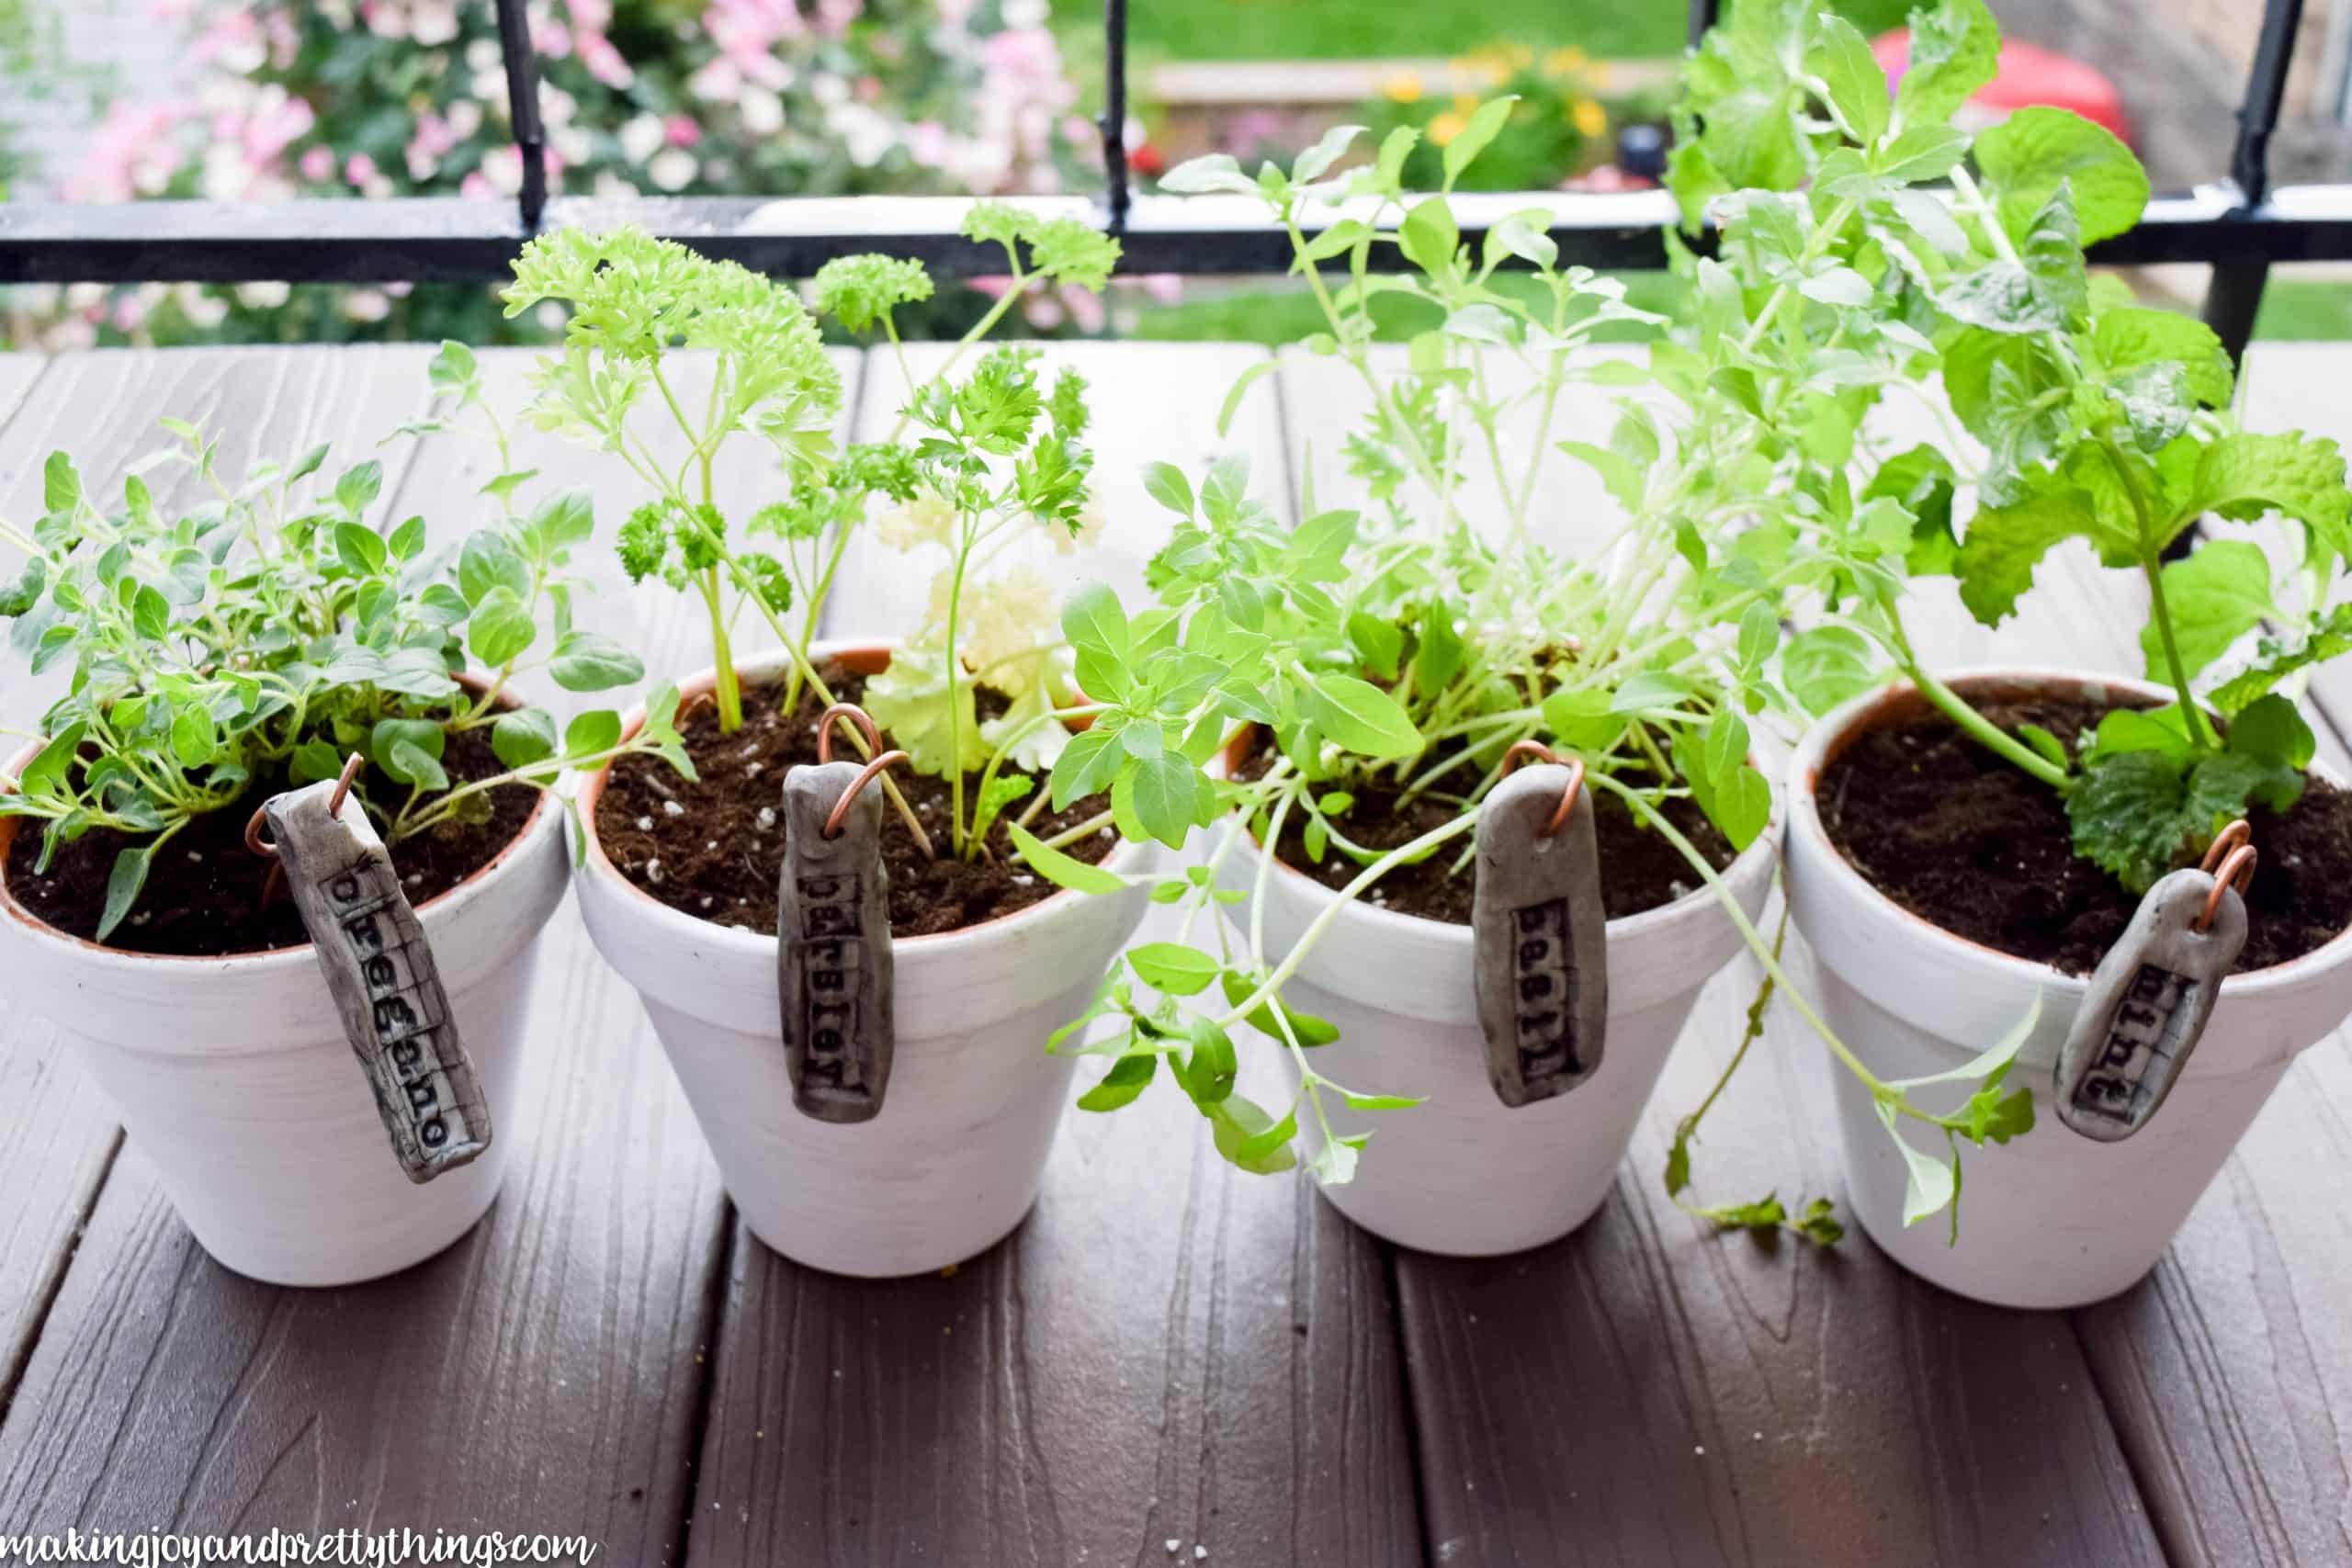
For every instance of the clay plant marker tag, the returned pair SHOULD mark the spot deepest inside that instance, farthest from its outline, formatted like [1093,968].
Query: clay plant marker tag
[1540,936]
[833,967]
[2149,1000]
[378,967]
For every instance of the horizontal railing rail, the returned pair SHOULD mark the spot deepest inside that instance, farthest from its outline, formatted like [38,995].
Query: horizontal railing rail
[2239,225]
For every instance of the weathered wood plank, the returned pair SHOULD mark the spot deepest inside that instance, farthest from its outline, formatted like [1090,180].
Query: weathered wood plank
[1645,1390]
[2230,1369]
[548,1371]
[56,1139]
[1648,1392]
[1172,1354]
[542,1375]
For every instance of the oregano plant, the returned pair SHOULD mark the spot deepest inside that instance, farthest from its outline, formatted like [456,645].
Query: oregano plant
[1389,656]
[261,634]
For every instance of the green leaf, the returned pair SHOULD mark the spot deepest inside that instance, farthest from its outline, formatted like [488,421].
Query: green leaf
[1955,49]
[19,597]
[1930,1184]
[1239,389]
[523,737]
[2243,476]
[1207,1070]
[2028,155]
[452,369]
[360,486]
[1173,968]
[1824,666]
[1086,764]
[2136,814]
[2006,543]
[1063,871]
[1166,790]
[1166,484]
[360,550]
[501,630]
[1379,643]
[410,764]
[2270,730]
[1250,1138]
[60,490]
[315,760]
[1428,236]
[408,539]
[487,562]
[1305,1028]
[592,734]
[1128,1076]
[1313,163]
[587,661]
[1485,123]
[2215,595]
[1362,717]
[1841,58]
[2130,336]
[124,882]
[194,740]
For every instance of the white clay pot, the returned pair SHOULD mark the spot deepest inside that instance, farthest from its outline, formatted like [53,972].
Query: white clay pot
[232,1076]
[2053,1219]
[1463,1174]
[952,1160]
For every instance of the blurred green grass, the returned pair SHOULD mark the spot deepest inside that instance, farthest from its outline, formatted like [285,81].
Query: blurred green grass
[1355,29]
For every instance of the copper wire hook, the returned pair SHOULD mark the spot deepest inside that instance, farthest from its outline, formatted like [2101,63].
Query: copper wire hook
[849,711]
[2237,868]
[2227,839]
[1576,777]
[841,807]
[267,850]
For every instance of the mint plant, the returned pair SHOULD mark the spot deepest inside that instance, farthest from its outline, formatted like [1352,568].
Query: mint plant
[260,636]
[971,463]
[1860,252]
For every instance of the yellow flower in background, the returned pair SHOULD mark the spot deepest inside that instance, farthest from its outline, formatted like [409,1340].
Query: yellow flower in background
[1590,117]
[1446,127]
[1563,62]
[928,519]
[1405,87]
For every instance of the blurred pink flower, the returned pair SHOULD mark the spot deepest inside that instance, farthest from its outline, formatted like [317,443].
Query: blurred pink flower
[927,143]
[746,31]
[603,61]
[318,165]
[273,122]
[680,130]
[550,38]
[835,16]
[358,168]
[433,139]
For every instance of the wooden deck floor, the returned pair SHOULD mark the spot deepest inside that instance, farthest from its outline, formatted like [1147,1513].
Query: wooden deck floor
[1170,1363]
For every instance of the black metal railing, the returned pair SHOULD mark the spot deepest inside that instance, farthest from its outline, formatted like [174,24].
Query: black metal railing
[2238,225]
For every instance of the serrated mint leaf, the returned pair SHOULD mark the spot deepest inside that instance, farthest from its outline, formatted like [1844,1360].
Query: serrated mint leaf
[2215,597]
[1954,50]
[2026,157]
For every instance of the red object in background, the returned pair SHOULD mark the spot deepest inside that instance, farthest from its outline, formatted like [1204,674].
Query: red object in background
[1147,160]
[2027,75]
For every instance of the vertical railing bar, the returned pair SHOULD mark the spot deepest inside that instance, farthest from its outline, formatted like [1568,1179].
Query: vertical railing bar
[2234,297]
[522,108]
[1117,190]
[1702,19]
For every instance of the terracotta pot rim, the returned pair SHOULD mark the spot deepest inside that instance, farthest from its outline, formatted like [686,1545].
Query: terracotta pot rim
[255,960]
[597,864]
[1839,728]
[1624,927]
